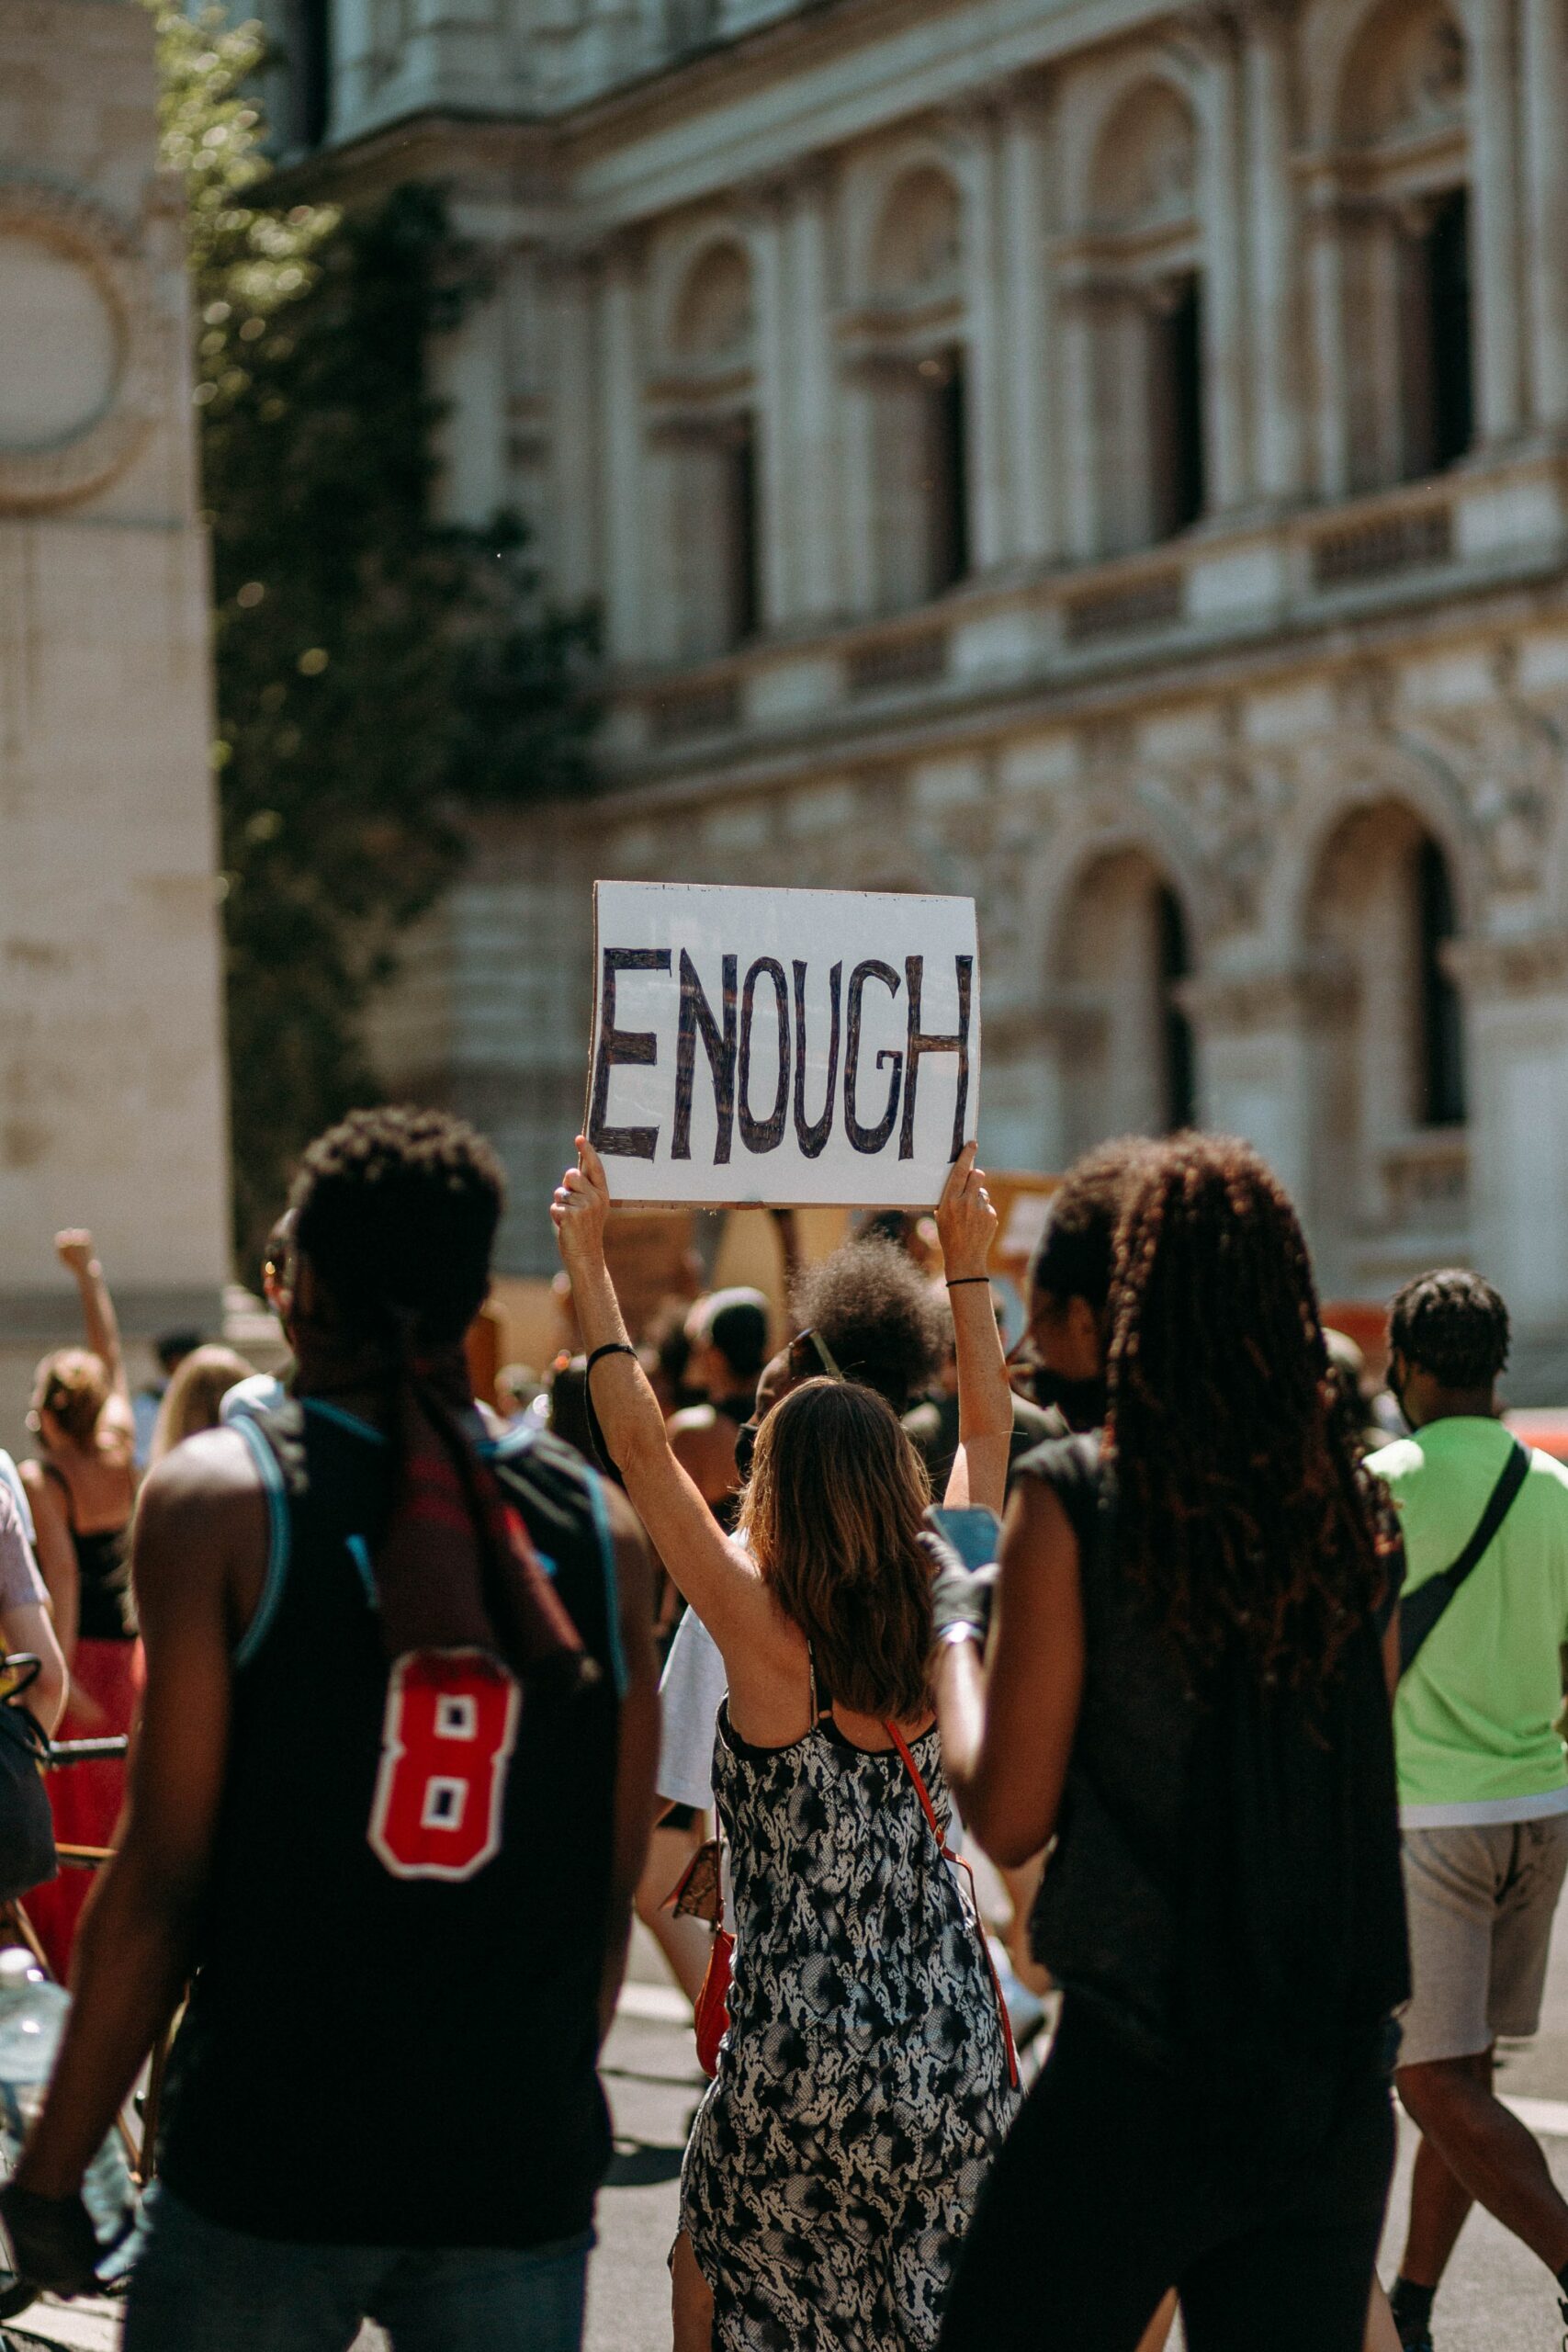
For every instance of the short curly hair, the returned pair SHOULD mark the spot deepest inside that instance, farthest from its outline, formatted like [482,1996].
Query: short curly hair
[1076,1255]
[878,1317]
[397,1210]
[1453,1325]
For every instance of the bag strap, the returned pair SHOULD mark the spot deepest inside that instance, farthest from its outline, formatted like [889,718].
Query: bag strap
[1420,1613]
[957,1862]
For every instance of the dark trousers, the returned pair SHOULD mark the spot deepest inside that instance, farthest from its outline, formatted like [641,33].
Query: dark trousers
[1115,2185]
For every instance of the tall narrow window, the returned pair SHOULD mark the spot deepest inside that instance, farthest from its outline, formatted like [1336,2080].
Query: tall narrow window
[742,542]
[310,41]
[1181,1087]
[1176,412]
[1442,1028]
[1439,403]
[947,489]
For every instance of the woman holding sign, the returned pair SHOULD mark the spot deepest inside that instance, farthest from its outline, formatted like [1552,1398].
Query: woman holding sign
[865,2082]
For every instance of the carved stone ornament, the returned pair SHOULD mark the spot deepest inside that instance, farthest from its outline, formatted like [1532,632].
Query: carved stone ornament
[78,305]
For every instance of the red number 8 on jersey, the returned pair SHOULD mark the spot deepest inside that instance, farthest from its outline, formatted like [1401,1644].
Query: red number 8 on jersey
[447,1736]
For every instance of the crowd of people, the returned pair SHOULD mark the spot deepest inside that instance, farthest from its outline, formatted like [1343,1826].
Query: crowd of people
[1246,1680]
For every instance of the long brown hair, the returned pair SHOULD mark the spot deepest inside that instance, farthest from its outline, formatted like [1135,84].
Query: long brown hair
[1239,1508]
[831,1514]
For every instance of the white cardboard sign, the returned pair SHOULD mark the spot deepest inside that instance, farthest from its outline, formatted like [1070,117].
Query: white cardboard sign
[793,1047]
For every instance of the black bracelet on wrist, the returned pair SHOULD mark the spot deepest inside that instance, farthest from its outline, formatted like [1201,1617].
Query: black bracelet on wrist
[610,1348]
[959,1280]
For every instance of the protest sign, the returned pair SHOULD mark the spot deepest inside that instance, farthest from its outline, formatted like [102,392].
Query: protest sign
[796,1047]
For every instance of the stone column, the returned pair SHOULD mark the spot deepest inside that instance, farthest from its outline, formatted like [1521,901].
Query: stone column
[773,379]
[1515,995]
[1495,271]
[977,144]
[577,541]
[354,39]
[1546,204]
[468,377]
[1080,426]
[623,471]
[1253,1038]
[1331,417]
[1277,375]
[814,489]
[1227,438]
[1029,340]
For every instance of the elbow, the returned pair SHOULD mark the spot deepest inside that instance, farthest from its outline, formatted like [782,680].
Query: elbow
[1002,1832]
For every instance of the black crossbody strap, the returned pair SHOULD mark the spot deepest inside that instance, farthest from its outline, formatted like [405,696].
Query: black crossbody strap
[1420,1612]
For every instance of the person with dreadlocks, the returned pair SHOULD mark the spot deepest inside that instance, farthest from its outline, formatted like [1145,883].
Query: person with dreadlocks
[1185,1686]
[400,1703]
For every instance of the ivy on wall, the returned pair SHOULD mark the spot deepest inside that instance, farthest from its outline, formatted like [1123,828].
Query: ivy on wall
[379,674]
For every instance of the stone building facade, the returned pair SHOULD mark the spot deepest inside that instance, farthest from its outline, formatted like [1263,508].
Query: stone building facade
[111,1086]
[1108,457]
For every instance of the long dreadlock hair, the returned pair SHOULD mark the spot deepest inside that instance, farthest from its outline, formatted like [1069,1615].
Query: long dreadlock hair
[1240,1512]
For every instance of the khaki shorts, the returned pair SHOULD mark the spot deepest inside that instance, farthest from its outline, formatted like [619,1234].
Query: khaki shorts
[1480,1902]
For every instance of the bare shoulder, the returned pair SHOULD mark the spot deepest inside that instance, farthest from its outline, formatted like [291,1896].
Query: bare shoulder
[203,1504]
[691,1420]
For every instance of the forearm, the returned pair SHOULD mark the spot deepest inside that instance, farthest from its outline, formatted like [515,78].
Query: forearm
[627,1408]
[958,1691]
[984,1398]
[132,1960]
[98,1317]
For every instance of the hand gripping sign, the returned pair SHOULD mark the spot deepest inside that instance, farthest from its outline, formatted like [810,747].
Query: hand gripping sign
[789,1047]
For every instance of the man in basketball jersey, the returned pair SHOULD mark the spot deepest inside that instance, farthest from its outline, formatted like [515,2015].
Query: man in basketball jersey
[389,1804]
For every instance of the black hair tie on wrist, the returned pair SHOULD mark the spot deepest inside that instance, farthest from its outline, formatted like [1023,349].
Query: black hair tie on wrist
[610,1348]
[959,1280]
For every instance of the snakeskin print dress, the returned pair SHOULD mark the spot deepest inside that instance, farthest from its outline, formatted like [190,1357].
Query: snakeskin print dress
[863,2087]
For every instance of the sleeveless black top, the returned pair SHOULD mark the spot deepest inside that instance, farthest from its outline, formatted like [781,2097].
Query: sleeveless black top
[1224,1887]
[104,1613]
[369,2056]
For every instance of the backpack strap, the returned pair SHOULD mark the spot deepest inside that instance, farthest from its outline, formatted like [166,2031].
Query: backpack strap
[956,1861]
[1420,1613]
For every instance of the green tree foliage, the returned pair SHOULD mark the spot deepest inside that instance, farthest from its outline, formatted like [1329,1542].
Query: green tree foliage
[380,675]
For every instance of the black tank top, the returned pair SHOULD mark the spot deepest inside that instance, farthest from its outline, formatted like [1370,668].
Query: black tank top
[371,2057]
[1225,1884]
[104,1613]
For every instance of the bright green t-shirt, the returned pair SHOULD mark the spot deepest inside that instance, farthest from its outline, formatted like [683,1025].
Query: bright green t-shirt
[1474,1715]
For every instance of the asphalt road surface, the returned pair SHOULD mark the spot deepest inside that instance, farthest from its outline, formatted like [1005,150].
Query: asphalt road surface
[1496,2294]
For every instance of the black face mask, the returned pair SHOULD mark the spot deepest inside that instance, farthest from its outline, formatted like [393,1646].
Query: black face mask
[745,1448]
[1081,1403]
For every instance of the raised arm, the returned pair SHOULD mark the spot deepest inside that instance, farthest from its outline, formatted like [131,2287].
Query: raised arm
[1008,1726]
[966,1226]
[717,1576]
[75,1249]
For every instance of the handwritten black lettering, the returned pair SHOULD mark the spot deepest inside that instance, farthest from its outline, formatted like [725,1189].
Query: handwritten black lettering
[620,1048]
[812,1133]
[869,1139]
[718,1044]
[764,1135]
[919,1043]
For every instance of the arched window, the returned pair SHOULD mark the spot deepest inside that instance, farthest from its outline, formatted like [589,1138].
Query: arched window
[1142,250]
[1407,324]
[917,379]
[1389,1179]
[309,44]
[1129,1063]
[1442,1033]
[707,428]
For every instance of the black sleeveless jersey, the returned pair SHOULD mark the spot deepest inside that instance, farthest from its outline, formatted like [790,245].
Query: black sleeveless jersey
[391,2039]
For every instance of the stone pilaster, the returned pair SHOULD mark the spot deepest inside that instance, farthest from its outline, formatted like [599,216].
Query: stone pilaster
[623,471]
[1495,272]
[1545,81]
[1028,321]
[1515,997]
[1278,394]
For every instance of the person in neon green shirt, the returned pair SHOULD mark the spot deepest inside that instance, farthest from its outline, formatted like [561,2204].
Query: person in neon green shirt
[1483,1782]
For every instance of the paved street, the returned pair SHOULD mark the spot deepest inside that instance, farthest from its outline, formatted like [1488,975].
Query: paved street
[1495,2295]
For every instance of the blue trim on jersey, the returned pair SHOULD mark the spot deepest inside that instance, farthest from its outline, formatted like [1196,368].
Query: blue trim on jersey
[345,1421]
[612,1583]
[278,1546]
[359,1553]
